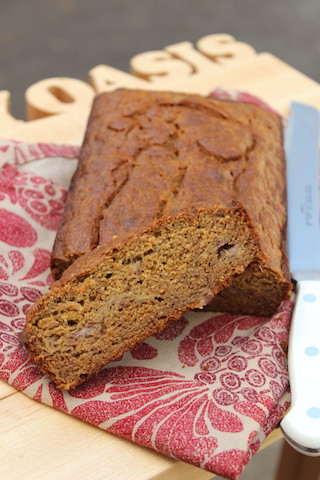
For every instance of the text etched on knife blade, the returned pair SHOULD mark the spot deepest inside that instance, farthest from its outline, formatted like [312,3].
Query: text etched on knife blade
[306,206]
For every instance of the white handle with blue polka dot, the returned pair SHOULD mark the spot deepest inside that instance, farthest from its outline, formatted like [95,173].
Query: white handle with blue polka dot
[301,426]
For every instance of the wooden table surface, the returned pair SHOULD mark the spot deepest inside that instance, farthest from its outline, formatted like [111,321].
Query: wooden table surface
[38,442]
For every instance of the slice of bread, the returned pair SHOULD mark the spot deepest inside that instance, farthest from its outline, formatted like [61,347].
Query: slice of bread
[109,300]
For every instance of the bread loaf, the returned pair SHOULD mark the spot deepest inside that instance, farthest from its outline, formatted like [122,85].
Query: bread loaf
[176,198]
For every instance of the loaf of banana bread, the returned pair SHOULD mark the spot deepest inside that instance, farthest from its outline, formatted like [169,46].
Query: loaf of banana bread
[176,198]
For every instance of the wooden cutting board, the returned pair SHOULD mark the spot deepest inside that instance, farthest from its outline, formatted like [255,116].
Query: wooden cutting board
[38,441]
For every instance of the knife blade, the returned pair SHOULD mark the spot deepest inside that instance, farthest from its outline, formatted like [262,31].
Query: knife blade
[301,426]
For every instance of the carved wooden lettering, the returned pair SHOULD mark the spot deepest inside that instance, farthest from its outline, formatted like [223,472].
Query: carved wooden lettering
[224,49]
[58,108]
[57,95]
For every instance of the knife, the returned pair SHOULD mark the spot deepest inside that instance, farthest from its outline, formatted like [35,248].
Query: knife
[301,426]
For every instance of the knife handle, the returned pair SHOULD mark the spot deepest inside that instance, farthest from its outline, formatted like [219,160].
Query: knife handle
[301,426]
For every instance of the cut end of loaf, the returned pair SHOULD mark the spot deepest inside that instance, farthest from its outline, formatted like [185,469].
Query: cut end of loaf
[257,291]
[127,294]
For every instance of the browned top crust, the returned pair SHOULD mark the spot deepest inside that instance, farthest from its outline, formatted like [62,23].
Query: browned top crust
[147,155]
